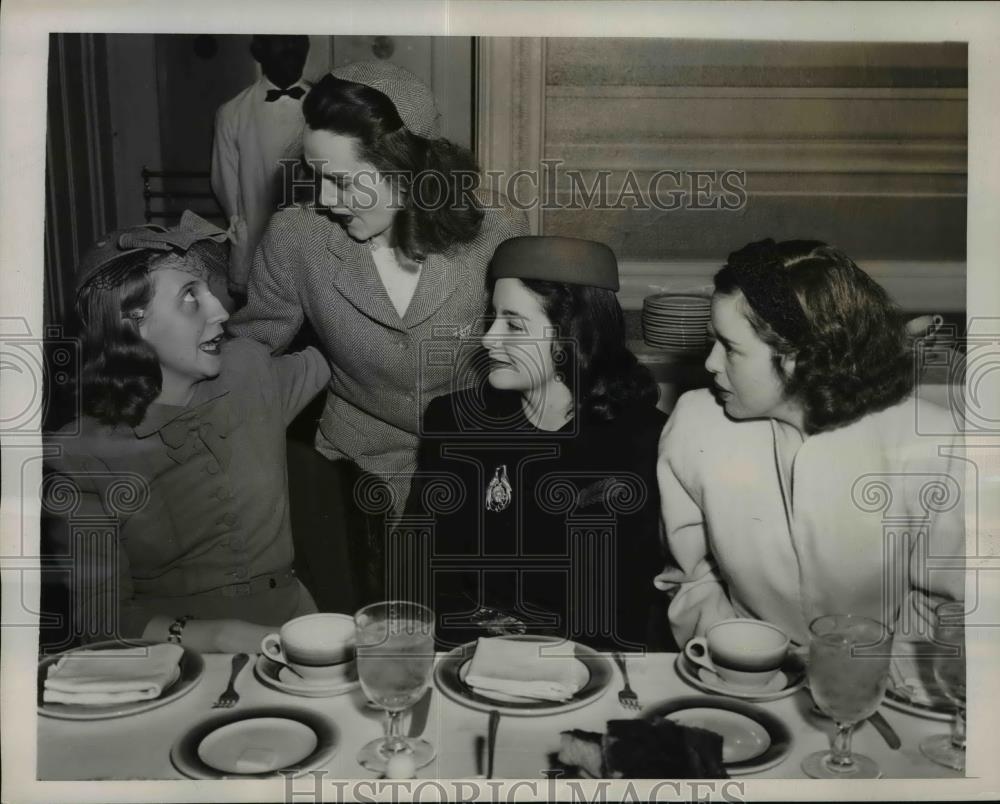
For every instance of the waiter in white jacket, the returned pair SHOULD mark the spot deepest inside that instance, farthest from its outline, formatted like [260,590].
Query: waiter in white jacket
[253,132]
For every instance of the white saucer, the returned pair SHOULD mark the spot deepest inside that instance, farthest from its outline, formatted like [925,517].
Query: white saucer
[715,681]
[279,677]
[787,681]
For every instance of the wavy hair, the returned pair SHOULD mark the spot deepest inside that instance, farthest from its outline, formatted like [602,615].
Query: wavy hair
[605,378]
[437,176]
[121,374]
[849,342]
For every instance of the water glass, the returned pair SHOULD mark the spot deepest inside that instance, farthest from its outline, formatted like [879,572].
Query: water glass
[394,646]
[949,671]
[848,673]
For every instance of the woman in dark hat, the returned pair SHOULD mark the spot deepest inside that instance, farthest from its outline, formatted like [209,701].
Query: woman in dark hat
[392,255]
[540,482]
[172,484]
[781,483]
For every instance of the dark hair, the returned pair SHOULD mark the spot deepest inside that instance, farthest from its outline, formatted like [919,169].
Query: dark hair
[604,376]
[814,304]
[438,208]
[121,374]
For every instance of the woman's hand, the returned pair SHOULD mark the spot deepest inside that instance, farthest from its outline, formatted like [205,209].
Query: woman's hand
[212,636]
[669,579]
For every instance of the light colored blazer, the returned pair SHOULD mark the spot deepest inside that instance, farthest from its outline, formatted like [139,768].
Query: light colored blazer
[385,368]
[872,510]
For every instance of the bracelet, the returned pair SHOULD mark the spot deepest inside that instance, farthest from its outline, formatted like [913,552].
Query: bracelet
[176,629]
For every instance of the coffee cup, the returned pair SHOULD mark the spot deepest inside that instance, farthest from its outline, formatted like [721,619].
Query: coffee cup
[743,652]
[318,647]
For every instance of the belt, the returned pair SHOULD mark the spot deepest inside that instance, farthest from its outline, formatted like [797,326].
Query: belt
[259,583]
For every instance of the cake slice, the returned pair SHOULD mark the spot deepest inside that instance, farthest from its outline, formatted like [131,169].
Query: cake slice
[644,749]
[582,749]
[661,749]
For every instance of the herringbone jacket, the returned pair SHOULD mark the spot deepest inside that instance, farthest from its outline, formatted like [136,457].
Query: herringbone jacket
[385,369]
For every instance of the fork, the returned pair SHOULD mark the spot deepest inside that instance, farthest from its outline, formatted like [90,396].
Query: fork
[229,698]
[627,697]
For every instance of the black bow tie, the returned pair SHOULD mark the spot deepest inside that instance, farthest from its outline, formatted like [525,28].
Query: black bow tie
[292,92]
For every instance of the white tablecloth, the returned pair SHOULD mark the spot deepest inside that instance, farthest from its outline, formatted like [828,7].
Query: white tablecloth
[138,747]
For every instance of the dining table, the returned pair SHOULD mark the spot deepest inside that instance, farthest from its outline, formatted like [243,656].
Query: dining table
[138,746]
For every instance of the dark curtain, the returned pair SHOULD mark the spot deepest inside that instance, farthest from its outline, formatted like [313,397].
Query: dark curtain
[79,208]
[79,178]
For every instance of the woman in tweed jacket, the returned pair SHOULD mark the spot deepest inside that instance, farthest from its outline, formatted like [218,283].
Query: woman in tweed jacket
[388,267]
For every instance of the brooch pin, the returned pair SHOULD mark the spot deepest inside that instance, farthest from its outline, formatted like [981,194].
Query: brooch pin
[498,492]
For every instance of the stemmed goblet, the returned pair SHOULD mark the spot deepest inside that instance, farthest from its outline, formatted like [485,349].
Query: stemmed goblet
[847,684]
[395,653]
[949,671]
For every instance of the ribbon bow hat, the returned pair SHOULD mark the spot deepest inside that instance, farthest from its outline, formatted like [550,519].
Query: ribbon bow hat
[108,261]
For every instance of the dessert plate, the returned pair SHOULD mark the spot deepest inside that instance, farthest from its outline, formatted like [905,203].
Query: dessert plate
[256,743]
[592,670]
[191,668]
[753,739]
[791,678]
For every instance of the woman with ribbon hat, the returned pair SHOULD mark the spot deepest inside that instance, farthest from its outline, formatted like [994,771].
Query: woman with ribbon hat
[180,452]
[540,483]
[781,484]
[388,267]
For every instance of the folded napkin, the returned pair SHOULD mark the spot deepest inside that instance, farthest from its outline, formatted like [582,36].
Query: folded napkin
[95,678]
[515,667]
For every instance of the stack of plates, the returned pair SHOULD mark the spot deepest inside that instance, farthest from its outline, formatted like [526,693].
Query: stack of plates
[676,321]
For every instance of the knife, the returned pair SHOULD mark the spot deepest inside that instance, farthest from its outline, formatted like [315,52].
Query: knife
[886,730]
[491,741]
[418,714]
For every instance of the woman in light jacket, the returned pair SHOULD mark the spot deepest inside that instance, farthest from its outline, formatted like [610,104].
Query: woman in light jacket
[800,484]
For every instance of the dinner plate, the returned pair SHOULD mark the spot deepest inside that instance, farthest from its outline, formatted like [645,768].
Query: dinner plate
[677,300]
[696,333]
[791,678]
[256,743]
[594,672]
[700,323]
[679,350]
[688,318]
[920,696]
[191,667]
[752,738]
[944,712]
[678,340]
[276,676]
[676,312]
